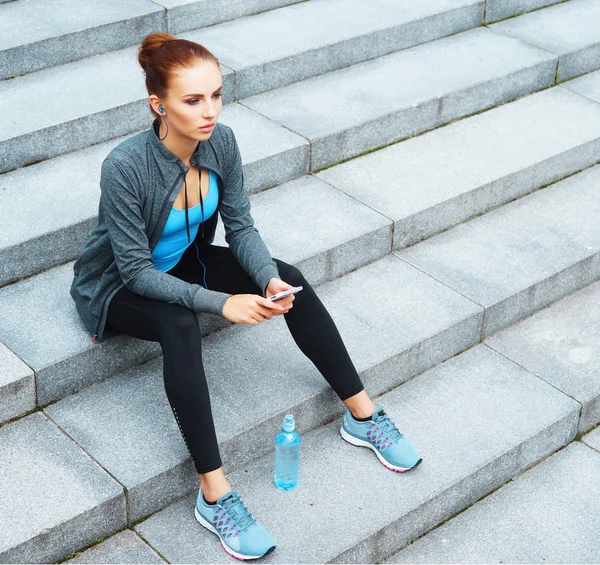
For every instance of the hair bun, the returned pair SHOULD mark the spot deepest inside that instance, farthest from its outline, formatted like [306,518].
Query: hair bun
[150,44]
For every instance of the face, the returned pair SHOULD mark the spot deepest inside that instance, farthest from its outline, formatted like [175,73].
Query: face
[193,100]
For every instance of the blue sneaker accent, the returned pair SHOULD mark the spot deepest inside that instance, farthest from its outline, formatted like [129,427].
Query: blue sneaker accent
[241,535]
[379,433]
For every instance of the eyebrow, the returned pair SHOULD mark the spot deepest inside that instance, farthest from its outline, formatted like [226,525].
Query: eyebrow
[200,95]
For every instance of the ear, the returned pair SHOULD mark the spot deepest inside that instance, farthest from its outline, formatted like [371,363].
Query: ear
[155,103]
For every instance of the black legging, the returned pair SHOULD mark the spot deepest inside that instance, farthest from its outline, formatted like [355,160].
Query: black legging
[176,328]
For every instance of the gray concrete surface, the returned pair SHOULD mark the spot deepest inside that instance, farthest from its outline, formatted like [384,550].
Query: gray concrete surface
[55,499]
[266,51]
[437,180]
[343,114]
[17,385]
[124,547]
[35,34]
[560,344]
[501,9]
[548,514]
[570,29]
[523,256]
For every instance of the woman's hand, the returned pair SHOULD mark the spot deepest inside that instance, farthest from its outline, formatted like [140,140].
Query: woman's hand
[275,286]
[250,309]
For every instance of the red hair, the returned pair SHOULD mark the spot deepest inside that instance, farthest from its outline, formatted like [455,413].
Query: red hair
[161,53]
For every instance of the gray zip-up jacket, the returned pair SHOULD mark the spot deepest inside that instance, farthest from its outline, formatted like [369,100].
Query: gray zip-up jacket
[139,182]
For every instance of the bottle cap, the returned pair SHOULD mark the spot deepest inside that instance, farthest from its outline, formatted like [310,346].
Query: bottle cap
[288,423]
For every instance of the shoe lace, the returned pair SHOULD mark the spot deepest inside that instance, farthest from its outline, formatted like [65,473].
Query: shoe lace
[235,507]
[388,427]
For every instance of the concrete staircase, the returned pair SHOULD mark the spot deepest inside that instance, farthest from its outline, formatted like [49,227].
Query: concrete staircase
[431,169]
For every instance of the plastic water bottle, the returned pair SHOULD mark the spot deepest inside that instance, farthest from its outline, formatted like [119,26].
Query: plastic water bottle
[287,455]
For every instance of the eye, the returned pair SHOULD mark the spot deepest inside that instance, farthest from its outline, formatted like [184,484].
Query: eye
[218,95]
[192,101]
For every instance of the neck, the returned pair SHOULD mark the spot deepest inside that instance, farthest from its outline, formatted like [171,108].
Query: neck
[183,147]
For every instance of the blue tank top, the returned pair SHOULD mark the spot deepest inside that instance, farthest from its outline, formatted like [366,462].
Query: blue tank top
[173,242]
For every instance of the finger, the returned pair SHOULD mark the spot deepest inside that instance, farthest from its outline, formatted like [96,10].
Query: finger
[265,312]
[255,316]
[269,303]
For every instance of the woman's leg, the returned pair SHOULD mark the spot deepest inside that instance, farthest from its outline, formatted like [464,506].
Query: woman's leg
[177,330]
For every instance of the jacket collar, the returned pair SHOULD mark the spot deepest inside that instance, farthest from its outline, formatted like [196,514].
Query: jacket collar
[205,154]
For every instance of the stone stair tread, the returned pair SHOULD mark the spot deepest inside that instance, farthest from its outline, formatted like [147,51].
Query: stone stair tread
[500,9]
[505,527]
[126,424]
[35,34]
[592,438]
[17,385]
[522,256]
[441,80]
[63,193]
[429,183]
[185,15]
[560,345]
[124,547]
[54,498]
[268,51]
[349,508]
[587,85]
[569,29]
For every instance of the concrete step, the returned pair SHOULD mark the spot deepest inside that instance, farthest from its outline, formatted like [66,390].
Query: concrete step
[126,424]
[284,46]
[67,361]
[349,111]
[63,193]
[35,34]
[523,256]
[570,30]
[478,419]
[185,15]
[560,345]
[55,499]
[124,547]
[437,180]
[83,118]
[556,497]
[17,386]
[592,439]
[587,85]
[71,115]
[500,9]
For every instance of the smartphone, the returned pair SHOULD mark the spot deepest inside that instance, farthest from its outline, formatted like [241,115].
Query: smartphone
[285,293]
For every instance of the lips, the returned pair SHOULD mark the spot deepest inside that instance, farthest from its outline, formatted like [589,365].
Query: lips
[207,127]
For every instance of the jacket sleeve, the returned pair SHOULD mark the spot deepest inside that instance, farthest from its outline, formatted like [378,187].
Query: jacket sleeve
[122,210]
[242,237]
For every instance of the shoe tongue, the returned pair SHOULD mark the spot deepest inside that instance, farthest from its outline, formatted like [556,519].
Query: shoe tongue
[225,497]
[379,411]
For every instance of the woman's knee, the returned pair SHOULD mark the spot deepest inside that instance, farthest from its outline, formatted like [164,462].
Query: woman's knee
[290,274]
[182,325]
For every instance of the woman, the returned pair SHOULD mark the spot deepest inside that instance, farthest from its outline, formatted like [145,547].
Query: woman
[150,267]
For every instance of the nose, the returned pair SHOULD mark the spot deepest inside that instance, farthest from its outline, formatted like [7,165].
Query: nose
[210,110]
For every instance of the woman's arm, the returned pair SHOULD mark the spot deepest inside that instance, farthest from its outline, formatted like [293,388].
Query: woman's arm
[242,237]
[121,206]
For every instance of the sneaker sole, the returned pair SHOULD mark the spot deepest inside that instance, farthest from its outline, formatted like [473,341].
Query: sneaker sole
[362,443]
[228,550]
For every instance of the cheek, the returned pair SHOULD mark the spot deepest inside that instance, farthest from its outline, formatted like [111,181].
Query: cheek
[182,113]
